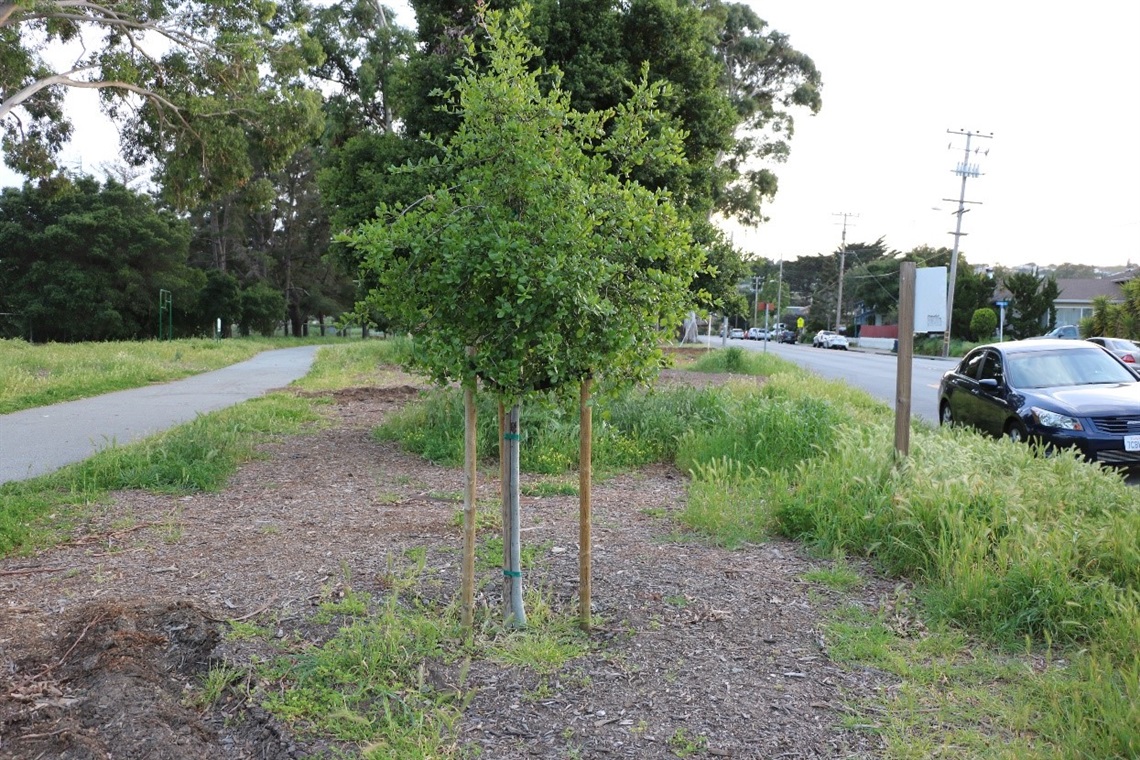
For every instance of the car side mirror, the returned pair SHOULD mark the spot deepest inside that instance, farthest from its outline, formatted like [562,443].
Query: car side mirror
[989,384]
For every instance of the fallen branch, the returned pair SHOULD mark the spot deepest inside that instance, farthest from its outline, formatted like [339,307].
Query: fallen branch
[92,537]
[30,570]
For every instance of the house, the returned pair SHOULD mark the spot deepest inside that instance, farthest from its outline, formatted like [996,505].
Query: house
[1075,299]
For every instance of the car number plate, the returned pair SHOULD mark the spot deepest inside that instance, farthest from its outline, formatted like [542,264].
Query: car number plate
[1132,443]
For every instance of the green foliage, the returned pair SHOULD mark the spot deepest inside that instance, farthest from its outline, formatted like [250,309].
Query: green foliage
[220,300]
[111,251]
[1031,310]
[208,89]
[1118,320]
[983,324]
[562,267]
[262,309]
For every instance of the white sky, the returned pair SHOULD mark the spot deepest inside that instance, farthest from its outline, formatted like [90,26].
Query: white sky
[1057,83]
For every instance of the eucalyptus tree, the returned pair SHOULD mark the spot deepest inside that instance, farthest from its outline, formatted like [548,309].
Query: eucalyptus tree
[365,57]
[210,90]
[540,264]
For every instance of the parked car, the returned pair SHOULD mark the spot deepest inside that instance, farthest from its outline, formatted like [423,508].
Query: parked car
[736,332]
[788,336]
[1059,393]
[820,339]
[1064,332]
[757,333]
[836,341]
[1127,350]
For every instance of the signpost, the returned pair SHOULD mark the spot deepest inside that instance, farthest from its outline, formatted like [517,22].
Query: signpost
[165,315]
[1001,319]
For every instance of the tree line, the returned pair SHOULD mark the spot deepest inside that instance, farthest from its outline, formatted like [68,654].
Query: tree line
[267,129]
[870,278]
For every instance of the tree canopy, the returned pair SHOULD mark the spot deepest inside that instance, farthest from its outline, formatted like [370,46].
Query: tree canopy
[211,90]
[542,255]
[85,262]
[1031,304]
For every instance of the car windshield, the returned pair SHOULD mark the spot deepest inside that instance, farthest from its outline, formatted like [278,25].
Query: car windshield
[1050,369]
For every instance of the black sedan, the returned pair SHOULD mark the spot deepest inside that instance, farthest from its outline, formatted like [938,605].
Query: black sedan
[1058,393]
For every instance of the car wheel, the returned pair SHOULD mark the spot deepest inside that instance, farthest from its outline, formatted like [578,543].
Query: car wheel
[945,416]
[1015,431]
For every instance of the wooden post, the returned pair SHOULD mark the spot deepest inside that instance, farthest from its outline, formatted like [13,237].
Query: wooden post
[585,466]
[470,470]
[905,359]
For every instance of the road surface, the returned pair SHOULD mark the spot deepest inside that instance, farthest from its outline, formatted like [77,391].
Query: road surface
[871,371]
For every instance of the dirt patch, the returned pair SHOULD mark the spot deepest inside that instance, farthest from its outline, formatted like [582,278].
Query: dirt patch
[105,642]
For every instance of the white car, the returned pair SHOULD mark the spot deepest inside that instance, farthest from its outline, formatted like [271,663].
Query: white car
[820,339]
[757,333]
[736,332]
[836,341]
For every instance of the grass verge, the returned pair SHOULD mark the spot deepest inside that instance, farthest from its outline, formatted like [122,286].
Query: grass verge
[1017,559]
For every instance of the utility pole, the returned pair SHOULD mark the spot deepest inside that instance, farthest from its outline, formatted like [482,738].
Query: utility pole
[964,170]
[756,298]
[842,257]
[780,292]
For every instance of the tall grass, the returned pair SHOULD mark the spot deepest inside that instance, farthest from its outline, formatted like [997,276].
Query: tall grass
[41,374]
[198,456]
[631,430]
[1010,545]
[353,363]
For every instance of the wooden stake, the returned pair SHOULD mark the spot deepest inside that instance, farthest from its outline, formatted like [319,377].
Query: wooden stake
[585,466]
[470,471]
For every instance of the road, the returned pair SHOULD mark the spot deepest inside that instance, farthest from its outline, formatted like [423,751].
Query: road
[37,441]
[871,371]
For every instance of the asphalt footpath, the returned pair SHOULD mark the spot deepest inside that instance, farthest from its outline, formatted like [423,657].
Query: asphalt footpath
[38,441]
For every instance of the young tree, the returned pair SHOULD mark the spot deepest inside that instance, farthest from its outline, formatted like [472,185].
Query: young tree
[542,264]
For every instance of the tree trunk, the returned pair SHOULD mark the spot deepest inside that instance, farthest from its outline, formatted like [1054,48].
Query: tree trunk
[513,571]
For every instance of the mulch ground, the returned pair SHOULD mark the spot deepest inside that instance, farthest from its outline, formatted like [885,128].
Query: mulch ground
[696,648]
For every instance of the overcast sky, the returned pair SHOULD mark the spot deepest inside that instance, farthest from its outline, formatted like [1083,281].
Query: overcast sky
[1056,83]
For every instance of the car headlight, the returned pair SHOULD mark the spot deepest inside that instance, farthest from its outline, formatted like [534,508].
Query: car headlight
[1046,418]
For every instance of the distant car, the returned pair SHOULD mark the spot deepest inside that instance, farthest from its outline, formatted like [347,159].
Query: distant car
[757,333]
[736,332]
[1059,393]
[788,336]
[836,341]
[1127,350]
[820,339]
[1064,332]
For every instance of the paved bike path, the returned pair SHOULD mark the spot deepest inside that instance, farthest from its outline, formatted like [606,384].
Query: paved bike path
[38,441]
